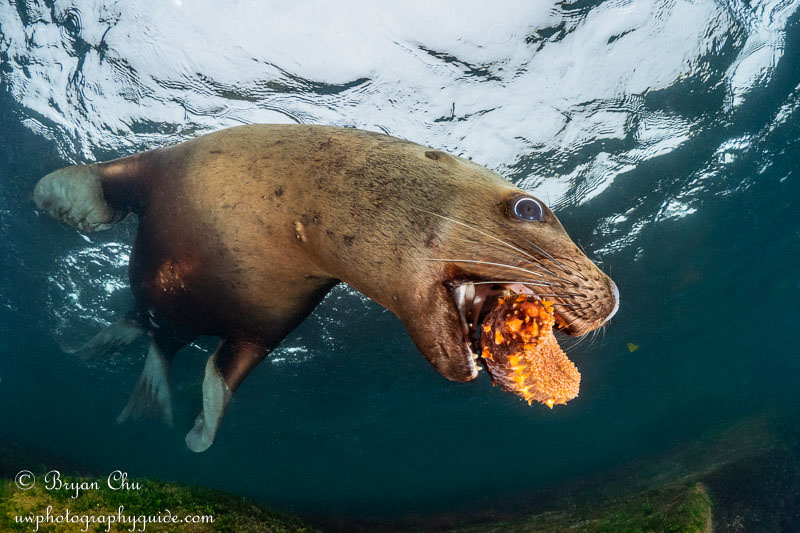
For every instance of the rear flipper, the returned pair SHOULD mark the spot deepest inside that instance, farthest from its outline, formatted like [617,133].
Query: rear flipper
[111,339]
[151,393]
[225,370]
[75,196]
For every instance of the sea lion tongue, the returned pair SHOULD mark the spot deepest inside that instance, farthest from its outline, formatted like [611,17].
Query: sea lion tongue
[522,354]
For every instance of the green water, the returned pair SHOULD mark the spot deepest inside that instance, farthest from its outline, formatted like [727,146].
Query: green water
[361,426]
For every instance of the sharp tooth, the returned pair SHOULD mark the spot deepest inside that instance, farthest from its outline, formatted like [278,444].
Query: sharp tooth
[475,311]
[474,358]
[470,293]
[469,298]
[459,296]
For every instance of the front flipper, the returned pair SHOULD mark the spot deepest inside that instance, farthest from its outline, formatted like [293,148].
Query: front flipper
[75,196]
[225,370]
[435,328]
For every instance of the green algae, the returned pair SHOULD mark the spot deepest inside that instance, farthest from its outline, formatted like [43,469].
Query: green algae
[154,499]
[733,470]
[672,493]
[138,498]
[228,513]
[674,509]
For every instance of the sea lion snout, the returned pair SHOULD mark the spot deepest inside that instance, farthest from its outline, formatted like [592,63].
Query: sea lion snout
[502,241]
[615,294]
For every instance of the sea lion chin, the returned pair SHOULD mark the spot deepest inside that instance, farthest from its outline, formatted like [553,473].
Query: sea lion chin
[243,231]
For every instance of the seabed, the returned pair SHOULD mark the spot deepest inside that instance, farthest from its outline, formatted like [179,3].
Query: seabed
[722,483]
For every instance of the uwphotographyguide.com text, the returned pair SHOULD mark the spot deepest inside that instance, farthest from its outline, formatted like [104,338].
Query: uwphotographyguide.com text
[109,521]
[91,515]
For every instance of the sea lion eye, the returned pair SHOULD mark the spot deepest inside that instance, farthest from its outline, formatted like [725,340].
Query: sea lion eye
[527,209]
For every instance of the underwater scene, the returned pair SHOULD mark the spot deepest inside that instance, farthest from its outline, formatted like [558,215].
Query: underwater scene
[439,354]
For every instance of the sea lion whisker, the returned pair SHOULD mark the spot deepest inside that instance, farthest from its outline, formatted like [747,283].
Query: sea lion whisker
[473,228]
[592,337]
[533,258]
[554,295]
[565,295]
[580,340]
[498,282]
[551,257]
[576,342]
[577,265]
[578,309]
[510,254]
[503,249]
[502,265]
[538,262]
[574,306]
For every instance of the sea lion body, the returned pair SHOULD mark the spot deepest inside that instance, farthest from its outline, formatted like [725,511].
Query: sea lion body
[242,232]
[237,227]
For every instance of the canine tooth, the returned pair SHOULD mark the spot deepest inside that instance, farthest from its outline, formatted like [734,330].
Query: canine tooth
[469,294]
[459,296]
[475,311]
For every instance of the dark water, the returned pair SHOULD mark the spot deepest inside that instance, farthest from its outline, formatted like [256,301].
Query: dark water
[681,179]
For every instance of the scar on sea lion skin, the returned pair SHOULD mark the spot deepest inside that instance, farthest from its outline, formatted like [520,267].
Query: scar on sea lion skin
[242,232]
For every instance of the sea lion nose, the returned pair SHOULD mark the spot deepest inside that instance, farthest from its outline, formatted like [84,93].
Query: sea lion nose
[615,294]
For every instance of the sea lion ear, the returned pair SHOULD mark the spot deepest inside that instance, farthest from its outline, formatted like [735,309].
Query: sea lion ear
[436,331]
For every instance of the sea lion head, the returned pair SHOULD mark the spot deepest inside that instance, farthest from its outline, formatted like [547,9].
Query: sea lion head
[491,239]
[436,239]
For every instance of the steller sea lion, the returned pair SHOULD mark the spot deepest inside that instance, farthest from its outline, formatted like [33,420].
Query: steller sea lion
[243,231]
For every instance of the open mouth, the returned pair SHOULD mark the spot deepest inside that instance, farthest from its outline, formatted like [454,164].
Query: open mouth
[474,300]
[508,329]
